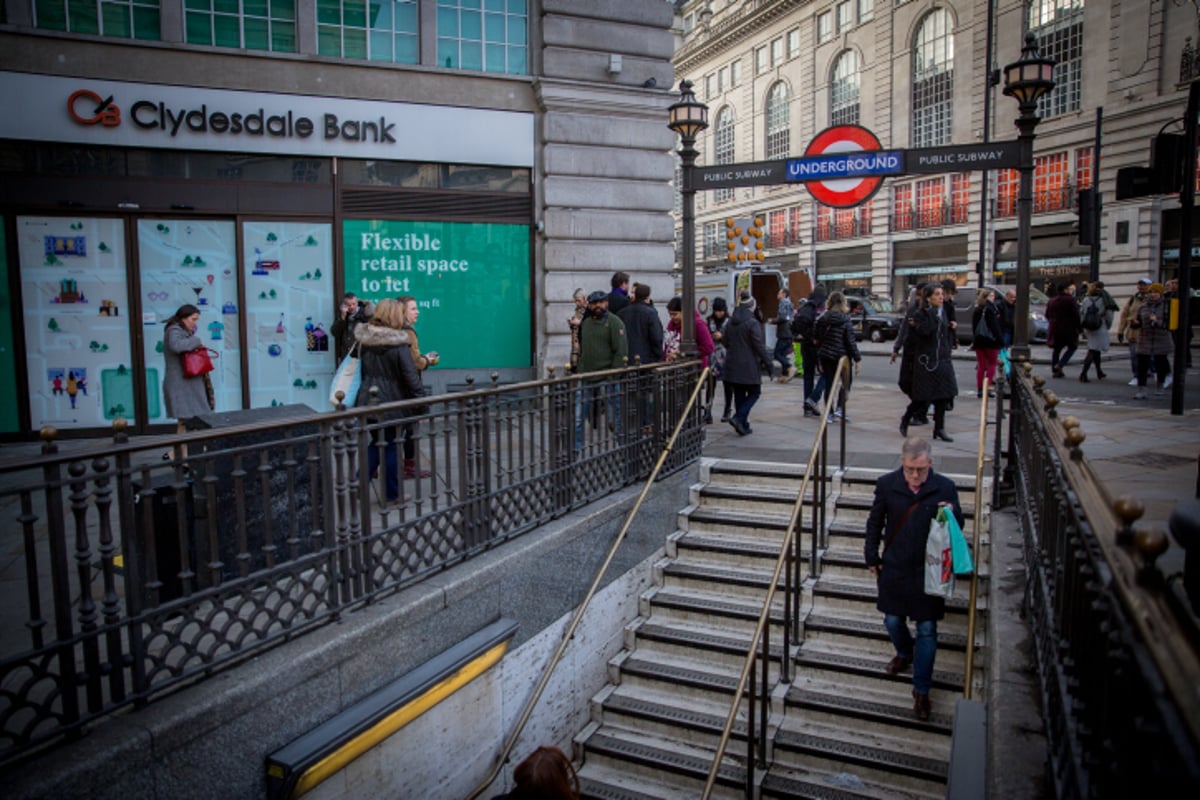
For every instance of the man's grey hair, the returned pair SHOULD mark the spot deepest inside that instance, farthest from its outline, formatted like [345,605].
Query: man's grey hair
[915,447]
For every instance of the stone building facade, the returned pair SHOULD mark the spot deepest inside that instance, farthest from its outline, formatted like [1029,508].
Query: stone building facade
[776,73]
[302,148]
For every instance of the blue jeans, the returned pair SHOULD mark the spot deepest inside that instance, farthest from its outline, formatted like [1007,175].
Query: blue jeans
[1061,363]
[584,399]
[784,353]
[745,395]
[921,650]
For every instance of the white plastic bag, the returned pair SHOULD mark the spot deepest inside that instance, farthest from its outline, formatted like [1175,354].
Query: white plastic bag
[347,379]
[939,560]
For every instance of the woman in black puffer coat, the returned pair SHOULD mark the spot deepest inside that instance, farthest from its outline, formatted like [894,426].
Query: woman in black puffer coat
[835,338]
[387,365]
[933,381]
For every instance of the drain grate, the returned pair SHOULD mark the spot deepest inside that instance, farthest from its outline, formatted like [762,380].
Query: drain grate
[1152,460]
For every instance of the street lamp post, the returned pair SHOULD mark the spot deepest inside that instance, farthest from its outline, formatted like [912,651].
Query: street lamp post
[687,118]
[1026,79]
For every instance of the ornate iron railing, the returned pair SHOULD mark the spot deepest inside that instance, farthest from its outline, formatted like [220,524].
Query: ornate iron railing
[143,573]
[1116,645]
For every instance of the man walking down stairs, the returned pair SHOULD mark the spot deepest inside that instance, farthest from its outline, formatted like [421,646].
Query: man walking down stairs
[844,727]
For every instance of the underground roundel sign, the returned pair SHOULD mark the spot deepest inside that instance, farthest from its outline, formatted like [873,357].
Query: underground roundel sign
[822,157]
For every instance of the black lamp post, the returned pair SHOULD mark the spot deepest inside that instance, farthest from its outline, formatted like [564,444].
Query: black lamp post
[687,118]
[1027,80]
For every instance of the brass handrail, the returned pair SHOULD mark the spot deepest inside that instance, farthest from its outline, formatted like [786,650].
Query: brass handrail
[764,615]
[980,460]
[569,633]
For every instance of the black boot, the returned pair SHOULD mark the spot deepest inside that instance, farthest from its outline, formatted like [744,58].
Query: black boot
[941,434]
[904,424]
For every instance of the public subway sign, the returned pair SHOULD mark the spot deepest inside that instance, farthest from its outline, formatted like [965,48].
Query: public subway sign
[845,165]
[117,113]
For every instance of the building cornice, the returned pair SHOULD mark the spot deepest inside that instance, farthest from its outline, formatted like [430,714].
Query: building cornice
[736,26]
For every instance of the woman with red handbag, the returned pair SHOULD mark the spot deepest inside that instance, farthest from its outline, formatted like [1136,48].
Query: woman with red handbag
[186,396]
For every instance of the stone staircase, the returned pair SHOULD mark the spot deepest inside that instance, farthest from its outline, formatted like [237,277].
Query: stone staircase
[843,728]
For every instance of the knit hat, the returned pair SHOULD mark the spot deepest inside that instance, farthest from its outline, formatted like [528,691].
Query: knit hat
[746,300]
[719,304]
[1155,287]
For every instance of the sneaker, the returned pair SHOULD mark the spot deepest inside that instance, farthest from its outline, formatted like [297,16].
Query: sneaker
[1141,395]
[1133,381]
[1167,383]
[809,405]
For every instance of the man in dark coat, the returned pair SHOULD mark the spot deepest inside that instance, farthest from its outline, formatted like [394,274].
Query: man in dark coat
[602,346]
[353,312]
[644,338]
[745,354]
[906,502]
[618,298]
[929,341]
[1062,318]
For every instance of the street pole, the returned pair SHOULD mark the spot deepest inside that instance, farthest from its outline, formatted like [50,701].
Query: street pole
[1027,80]
[1187,201]
[687,118]
[1097,200]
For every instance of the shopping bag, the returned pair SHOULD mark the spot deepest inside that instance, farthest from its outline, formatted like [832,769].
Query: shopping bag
[347,379]
[939,567]
[198,362]
[799,361]
[960,552]
[1003,359]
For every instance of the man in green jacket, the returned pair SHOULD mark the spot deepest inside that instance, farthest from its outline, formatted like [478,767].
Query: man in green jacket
[602,346]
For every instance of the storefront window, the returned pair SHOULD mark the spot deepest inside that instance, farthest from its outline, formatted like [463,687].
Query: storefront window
[376,31]
[902,209]
[247,24]
[288,269]
[1083,168]
[123,19]
[74,300]
[1007,186]
[931,202]
[1051,191]
[190,261]
[960,197]
[468,279]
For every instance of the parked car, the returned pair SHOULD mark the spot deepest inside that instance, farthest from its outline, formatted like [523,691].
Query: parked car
[874,318]
[964,306]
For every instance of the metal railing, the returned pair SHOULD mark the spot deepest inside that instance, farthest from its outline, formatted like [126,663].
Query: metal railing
[568,633]
[1117,649]
[787,566]
[141,575]
[981,458]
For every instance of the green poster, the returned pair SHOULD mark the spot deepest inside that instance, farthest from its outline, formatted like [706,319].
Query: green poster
[9,421]
[471,281]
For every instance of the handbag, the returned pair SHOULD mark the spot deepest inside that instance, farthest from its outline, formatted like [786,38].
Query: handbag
[960,551]
[939,561]
[982,331]
[347,379]
[198,362]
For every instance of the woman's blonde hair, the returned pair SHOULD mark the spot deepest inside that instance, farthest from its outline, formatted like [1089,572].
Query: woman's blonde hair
[837,302]
[389,313]
[981,295]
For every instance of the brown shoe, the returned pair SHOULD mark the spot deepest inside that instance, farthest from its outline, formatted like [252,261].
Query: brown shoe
[920,705]
[897,665]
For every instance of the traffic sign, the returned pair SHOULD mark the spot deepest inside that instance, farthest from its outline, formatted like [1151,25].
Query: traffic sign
[845,192]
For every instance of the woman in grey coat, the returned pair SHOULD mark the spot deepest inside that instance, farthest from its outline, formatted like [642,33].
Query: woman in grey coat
[746,355]
[1154,341]
[185,397]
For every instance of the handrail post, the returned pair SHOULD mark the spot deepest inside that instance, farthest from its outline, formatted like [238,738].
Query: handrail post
[969,666]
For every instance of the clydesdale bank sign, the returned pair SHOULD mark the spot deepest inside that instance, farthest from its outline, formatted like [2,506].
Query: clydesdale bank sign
[116,113]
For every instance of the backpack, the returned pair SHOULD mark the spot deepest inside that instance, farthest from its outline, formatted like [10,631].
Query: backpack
[1091,317]
[804,321]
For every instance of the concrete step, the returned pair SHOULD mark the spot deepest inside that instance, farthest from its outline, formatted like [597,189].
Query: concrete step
[850,507]
[689,680]
[743,583]
[717,520]
[597,784]
[854,595]
[705,645]
[723,612]
[727,472]
[667,769]
[888,708]
[843,561]
[742,548]
[663,716]
[862,751]
[746,497]
[811,784]
[863,668]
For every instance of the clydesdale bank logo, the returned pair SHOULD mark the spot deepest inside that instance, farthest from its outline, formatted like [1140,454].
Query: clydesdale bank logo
[89,108]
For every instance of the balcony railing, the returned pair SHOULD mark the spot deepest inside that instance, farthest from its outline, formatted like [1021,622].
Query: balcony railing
[787,238]
[835,230]
[1059,198]
[131,575]
[908,218]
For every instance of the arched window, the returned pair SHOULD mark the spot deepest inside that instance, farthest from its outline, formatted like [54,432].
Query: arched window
[778,130]
[1058,25]
[843,90]
[723,147]
[933,81]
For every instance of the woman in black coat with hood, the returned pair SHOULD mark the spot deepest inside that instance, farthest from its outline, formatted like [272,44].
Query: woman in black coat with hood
[931,340]
[387,365]
[745,352]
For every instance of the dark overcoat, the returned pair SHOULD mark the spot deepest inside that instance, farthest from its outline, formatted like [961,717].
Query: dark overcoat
[745,349]
[902,577]
[1062,318]
[930,341]
[386,364]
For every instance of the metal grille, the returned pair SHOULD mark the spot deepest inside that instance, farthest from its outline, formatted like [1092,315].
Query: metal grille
[844,90]
[723,150]
[933,81]
[1058,25]
[778,129]
[141,574]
